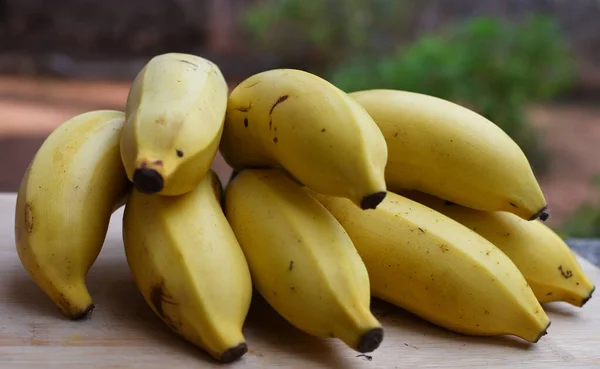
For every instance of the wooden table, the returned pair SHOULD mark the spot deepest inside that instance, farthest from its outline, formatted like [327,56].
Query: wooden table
[124,333]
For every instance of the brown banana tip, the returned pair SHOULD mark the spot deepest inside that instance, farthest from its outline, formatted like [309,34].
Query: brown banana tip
[543,214]
[588,296]
[148,181]
[86,313]
[234,353]
[542,333]
[371,201]
[370,341]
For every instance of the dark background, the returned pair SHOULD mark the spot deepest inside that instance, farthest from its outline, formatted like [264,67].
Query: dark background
[60,58]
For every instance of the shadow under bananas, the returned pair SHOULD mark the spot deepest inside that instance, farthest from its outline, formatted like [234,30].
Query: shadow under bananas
[264,324]
[560,308]
[115,294]
[410,325]
[27,297]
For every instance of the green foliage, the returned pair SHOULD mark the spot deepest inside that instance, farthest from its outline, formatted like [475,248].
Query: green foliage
[484,59]
[585,222]
[494,67]
[325,31]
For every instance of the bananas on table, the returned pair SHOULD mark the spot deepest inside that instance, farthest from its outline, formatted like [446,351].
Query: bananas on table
[336,198]
[439,269]
[64,204]
[449,151]
[189,266]
[299,122]
[175,112]
[301,259]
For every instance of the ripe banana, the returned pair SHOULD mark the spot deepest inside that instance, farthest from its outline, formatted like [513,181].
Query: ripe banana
[441,148]
[189,267]
[301,259]
[300,122]
[175,112]
[64,204]
[439,269]
[545,260]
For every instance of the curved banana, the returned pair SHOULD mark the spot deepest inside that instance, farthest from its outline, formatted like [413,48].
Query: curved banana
[546,261]
[439,269]
[68,193]
[300,122]
[175,112]
[302,262]
[189,267]
[446,150]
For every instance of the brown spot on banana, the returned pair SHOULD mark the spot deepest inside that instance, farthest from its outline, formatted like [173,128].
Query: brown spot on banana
[188,62]
[279,101]
[158,297]
[149,163]
[565,273]
[252,85]
[28,218]
[245,109]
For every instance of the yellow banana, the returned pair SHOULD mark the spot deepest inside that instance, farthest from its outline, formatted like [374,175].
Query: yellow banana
[301,259]
[189,267]
[545,260]
[446,150]
[175,112]
[439,269]
[68,193]
[300,122]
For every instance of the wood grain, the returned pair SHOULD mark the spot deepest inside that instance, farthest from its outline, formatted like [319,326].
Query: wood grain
[124,333]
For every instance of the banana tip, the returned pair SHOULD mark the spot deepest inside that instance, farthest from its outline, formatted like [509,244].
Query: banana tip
[370,341]
[234,353]
[371,201]
[542,333]
[86,313]
[585,300]
[148,181]
[543,214]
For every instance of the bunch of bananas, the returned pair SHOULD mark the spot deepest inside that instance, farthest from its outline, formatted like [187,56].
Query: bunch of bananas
[335,198]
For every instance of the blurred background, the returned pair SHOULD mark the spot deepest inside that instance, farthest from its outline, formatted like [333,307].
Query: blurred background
[531,66]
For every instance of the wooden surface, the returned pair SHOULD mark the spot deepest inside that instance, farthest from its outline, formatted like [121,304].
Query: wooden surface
[124,333]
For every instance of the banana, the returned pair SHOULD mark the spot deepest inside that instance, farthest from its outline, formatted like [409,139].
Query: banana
[189,267]
[301,259]
[64,204]
[175,113]
[439,269]
[300,122]
[545,260]
[446,150]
